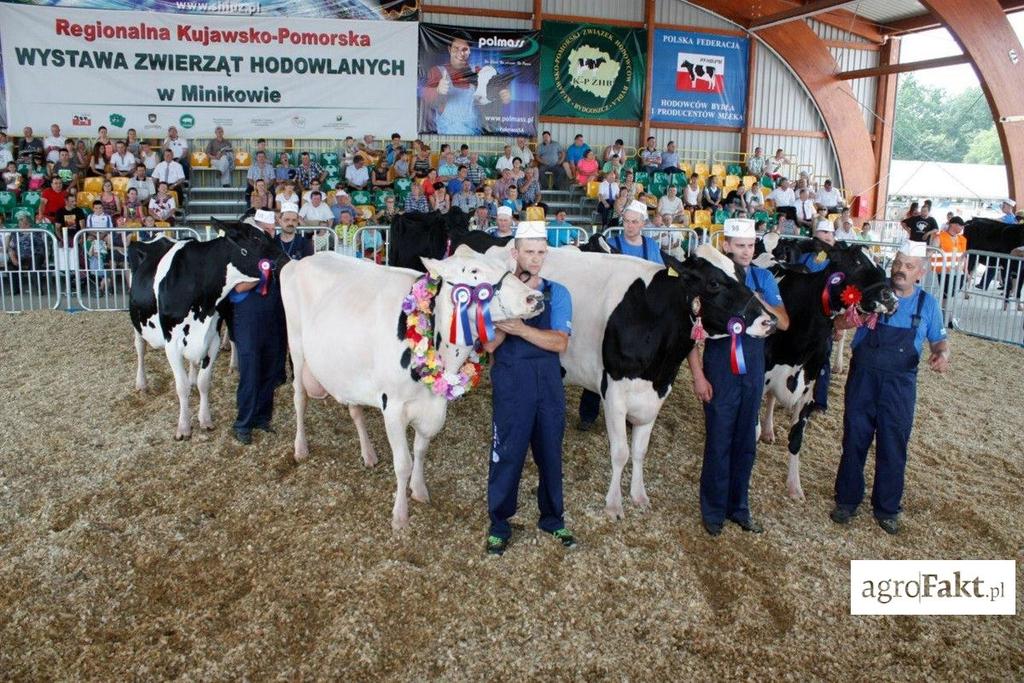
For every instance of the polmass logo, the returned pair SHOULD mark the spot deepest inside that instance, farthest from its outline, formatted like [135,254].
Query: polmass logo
[187,120]
[593,70]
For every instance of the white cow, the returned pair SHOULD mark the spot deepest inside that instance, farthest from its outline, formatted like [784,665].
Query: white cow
[346,338]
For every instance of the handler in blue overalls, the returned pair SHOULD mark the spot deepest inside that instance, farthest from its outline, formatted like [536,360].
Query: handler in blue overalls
[731,388]
[816,262]
[528,399]
[882,389]
[258,330]
[632,242]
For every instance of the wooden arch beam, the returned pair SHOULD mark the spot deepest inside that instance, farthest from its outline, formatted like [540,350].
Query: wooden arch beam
[984,34]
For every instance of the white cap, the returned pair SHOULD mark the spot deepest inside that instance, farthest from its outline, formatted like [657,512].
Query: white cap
[531,230]
[264,216]
[1012,203]
[740,227]
[289,207]
[824,226]
[914,249]
[637,206]
[505,211]
[341,193]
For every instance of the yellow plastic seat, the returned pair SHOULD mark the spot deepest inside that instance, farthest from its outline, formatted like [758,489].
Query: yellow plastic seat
[535,213]
[732,182]
[701,169]
[592,188]
[120,185]
[242,159]
[93,184]
[199,159]
[718,169]
[702,218]
[85,199]
[748,181]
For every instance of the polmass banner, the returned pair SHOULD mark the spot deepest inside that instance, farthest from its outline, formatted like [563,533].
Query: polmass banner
[699,78]
[478,81]
[592,71]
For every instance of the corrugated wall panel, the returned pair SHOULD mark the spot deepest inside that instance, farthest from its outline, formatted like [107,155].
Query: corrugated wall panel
[699,145]
[829,32]
[864,89]
[685,14]
[595,136]
[627,10]
[513,5]
[780,101]
[475,22]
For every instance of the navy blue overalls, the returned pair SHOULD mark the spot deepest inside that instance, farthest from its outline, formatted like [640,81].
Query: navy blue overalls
[258,330]
[880,395]
[730,418]
[529,411]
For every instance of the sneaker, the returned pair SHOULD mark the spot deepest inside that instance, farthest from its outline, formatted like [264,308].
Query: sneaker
[713,528]
[496,545]
[565,537]
[890,525]
[749,524]
[842,515]
[243,437]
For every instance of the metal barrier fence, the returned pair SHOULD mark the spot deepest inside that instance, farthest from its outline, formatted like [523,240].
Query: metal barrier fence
[677,242]
[567,236]
[985,301]
[29,279]
[98,264]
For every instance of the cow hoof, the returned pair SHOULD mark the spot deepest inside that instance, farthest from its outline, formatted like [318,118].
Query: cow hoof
[370,458]
[642,501]
[182,436]
[400,523]
[767,437]
[614,512]
[301,453]
[141,388]
[423,497]
[208,427]
[795,493]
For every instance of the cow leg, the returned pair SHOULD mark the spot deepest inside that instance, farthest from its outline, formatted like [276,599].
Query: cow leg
[420,444]
[395,423]
[181,385]
[767,425]
[193,374]
[233,363]
[204,380]
[366,449]
[637,491]
[299,398]
[615,424]
[225,339]
[838,365]
[140,372]
[796,436]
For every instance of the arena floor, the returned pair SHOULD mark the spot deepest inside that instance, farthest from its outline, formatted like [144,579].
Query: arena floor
[125,555]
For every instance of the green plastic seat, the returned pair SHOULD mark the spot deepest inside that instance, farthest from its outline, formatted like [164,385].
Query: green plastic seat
[768,182]
[658,189]
[380,197]
[734,169]
[7,203]
[30,200]
[329,159]
[403,184]
[361,197]
[720,216]
[642,177]
[659,178]
[630,164]
[333,172]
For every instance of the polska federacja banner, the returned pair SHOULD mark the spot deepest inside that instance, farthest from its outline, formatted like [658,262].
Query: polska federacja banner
[478,81]
[255,76]
[699,78]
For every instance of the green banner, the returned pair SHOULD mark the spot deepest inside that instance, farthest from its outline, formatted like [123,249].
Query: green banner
[592,71]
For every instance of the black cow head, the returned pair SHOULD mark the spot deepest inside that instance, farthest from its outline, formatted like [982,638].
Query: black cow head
[249,245]
[863,282]
[718,284]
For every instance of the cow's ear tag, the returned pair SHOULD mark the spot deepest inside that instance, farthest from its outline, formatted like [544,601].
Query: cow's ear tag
[696,305]
[820,258]
[672,272]
[220,233]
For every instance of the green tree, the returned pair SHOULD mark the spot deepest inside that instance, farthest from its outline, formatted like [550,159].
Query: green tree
[985,148]
[934,125]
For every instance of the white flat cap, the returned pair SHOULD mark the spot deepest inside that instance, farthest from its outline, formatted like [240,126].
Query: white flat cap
[264,216]
[531,230]
[289,207]
[1012,203]
[505,211]
[743,228]
[637,206]
[824,226]
[914,249]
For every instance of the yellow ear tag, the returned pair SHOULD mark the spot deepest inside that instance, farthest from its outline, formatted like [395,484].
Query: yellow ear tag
[820,258]
[672,272]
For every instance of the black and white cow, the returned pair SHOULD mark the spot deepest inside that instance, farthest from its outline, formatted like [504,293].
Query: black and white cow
[176,288]
[795,356]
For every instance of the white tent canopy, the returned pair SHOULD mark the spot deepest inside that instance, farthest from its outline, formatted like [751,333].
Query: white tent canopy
[937,180]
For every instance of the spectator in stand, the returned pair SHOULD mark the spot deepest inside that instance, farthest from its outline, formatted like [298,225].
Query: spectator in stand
[148,158]
[921,225]
[711,197]
[529,189]
[550,158]
[261,169]
[349,150]
[402,168]
[222,156]
[691,193]
[559,230]
[261,198]
[513,202]
[309,170]
[518,174]
[380,176]
[111,201]
[65,168]
[607,193]
[466,199]
[284,169]
[461,178]
[670,159]
[12,179]
[756,163]
[490,202]
[504,225]
[586,168]
[775,166]
[122,161]
[315,212]
[70,217]
[162,204]
[343,205]
[671,205]
[480,219]
[97,162]
[415,201]
[440,201]
[463,157]
[142,184]
[829,198]
[52,200]
[53,144]
[784,199]
[753,198]
[576,152]
[447,168]
[846,233]
[650,157]
[132,144]
[503,183]
[170,171]
[395,150]
[477,173]
[505,160]
[1008,216]
[133,210]
[6,148]
[428,183]
[806,214]
[179,146]
[388,213]
[30,146]
[615,152]
[26,250]
[421,164]
[357,176]
[104,140]
[521,150]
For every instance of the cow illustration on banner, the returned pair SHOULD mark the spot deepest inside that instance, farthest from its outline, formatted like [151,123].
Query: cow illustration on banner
[699,78]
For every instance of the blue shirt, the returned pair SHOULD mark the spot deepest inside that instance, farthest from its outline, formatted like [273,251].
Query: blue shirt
[561,307]
[763,282]
[813,264]
[454,186]
[652,247]
[1009,218]
[931,326]
[575,153]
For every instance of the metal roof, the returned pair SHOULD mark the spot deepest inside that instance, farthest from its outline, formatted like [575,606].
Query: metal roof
[883,12]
